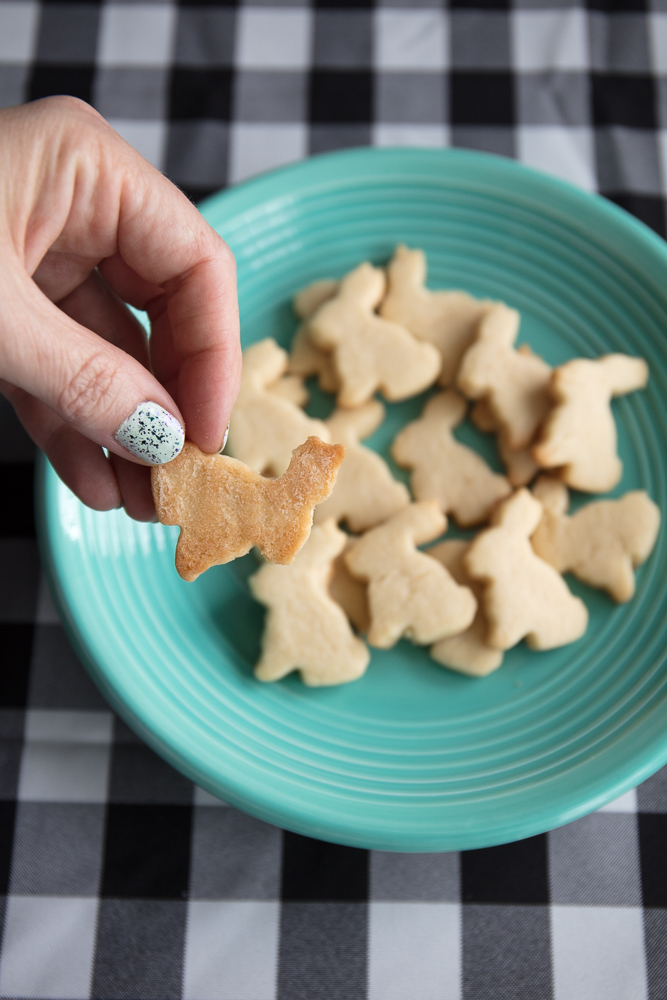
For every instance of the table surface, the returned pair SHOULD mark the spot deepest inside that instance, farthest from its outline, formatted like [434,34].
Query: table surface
[118,877]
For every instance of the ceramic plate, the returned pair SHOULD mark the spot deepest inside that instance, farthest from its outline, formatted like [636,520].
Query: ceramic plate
[411,757]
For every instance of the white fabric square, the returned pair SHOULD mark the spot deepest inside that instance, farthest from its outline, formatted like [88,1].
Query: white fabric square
[19,31]
[566,152]
[657,33]
[411,39]
[47,949]
[204,798]
[623,804]
[137,34]
[411,135]
[598,953]
[255,148]
[231,951]
[148,138]
[273,39]
[544,40]
[414,950]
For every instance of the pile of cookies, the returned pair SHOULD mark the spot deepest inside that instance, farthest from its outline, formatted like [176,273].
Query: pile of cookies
[469,601]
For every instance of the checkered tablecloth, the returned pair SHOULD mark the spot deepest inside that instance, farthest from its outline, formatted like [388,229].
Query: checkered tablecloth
[119,879]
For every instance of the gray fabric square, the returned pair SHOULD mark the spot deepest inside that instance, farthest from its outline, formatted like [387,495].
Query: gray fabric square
[618,43]
[323,943]
[269,96]
[324,138]
[414,98]
[234,856]
[131,92]
[205,36]
[139,951]
[19,580]
[197,153]
[58,679]
[480,39]
[13,82]
[546,4]
[343,38]
[57,849]
[11,747]
[415,5]
[68,33]
[506,952]
[652,793]
[595,861]
[432,878]
[497,139]
[139,775]
[655,943]
[660,84]
[553,99]
[628,160]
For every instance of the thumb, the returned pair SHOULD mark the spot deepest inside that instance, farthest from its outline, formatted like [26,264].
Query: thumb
[94,386]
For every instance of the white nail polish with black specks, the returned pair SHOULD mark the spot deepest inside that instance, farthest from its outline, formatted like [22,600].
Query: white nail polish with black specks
[151,433]
[224,440]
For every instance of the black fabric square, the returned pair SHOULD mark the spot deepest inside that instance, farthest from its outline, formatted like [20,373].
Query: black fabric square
[510,873]
[16,644]
[318,872]
[481,98]
[653,857]
[197,194]
[7,817]
[17,505]
[480,4]
[343,4]
[47,81]
[649,210]
[207,3]
[618,6]
[623,99]
[200,93]
[340,96]
[147,852]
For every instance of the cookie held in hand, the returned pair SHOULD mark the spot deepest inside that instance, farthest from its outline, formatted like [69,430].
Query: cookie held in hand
[224,508]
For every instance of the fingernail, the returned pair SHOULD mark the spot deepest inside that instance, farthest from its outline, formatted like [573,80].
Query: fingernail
[151,433]
[224,440]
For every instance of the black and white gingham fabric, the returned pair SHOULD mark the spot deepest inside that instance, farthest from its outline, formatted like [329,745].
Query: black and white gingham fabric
[118,879]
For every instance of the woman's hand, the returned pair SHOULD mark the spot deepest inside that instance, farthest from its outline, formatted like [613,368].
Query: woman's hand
[87,225]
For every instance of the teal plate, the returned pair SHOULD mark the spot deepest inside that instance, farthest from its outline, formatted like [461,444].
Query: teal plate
[412,757]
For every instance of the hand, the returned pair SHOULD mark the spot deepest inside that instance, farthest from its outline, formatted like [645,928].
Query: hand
[87,225]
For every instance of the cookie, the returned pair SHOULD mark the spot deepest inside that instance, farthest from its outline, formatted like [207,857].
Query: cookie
[444,470]
[350,593]
[409,594]
[291,388]
[514,384]
[579,436]
[265,427]
[366,493]
[305,358]
[467,652]
[524,597]
[224,508]
[369,352]
[520,465]
[600,543]
[446,319]
[305,629]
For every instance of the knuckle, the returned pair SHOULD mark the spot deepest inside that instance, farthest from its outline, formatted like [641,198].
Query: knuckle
[90,390]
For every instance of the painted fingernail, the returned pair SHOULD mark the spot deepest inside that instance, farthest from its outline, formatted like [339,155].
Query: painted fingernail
[224,440]
[151,433]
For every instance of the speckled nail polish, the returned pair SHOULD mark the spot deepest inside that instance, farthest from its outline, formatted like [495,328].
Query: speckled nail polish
[151,433]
